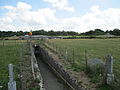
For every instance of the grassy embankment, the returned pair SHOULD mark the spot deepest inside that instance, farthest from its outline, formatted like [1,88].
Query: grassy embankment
[96,48]
[9,54]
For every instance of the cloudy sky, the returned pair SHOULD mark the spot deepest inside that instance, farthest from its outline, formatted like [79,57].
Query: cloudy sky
[68,15]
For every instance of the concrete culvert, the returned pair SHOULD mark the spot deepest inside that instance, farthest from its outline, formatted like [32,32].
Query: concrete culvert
[36,49]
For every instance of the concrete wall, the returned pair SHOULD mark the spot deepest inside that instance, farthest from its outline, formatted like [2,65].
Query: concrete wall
[35,69]
[59,70]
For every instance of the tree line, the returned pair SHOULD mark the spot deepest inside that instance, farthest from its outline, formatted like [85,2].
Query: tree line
[60,33]
[101,32]
[38,32]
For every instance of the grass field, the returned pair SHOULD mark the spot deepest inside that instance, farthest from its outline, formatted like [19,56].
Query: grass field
[9,54]
[96,48]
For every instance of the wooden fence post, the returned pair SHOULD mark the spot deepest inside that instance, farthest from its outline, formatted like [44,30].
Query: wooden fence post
[66,53]
[86,59]
[73,57]
[56,49]
[3,42]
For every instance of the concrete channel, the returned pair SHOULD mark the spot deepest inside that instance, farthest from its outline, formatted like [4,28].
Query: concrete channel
[50,80]
[53,74]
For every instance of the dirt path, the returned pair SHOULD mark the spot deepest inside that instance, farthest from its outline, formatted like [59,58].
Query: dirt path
[51,81]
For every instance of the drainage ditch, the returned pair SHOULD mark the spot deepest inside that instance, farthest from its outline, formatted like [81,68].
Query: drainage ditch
[53,74]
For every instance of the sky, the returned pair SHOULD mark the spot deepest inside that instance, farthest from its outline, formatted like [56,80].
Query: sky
[59,15]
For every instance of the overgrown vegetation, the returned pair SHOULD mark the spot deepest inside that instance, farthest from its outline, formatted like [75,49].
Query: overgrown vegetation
[27,80]
[73,51]
[16,52]
[9,54]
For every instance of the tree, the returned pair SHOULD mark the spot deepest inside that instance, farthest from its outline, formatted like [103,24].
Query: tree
[95,32]
[115,32]
[99,32]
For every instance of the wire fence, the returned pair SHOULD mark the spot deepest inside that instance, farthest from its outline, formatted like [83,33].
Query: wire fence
[69,55]
[9,53]
[77,59]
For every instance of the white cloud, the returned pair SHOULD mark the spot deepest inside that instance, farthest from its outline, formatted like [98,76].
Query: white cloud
[45,18]
[9,7]
[97,0]
[23,6]
[41,16]
[23,15]
[95,18]
[61,4]
[7,27]
[6,20]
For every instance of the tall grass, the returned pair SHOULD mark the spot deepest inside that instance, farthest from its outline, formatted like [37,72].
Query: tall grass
[9,54]
[96,48]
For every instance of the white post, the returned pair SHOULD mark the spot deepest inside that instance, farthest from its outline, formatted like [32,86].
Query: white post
[11,83]
[10,73]
[109,70]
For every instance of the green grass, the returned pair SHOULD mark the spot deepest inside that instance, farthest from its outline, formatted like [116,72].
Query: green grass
[9,54]
[96,48]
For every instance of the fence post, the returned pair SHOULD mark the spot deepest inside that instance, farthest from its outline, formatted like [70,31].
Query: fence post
[86,59]
[66,54]
[3,42]
[73,57]
[21,59]
[109,76]
[56,49]
[11,83]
